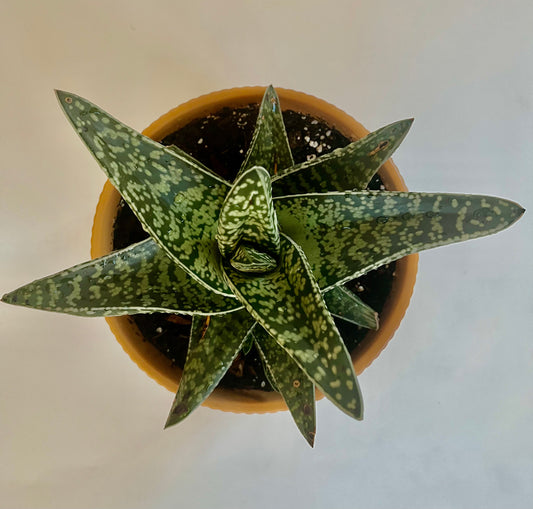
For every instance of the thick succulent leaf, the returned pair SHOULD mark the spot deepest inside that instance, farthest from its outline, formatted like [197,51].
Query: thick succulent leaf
[270,146]
[295,387]
[138,279]
[288,304]
[248,214]
[268,374]
[213,344]
[176,200]
[348,168]
[345,235]
[249,259]
[345,304]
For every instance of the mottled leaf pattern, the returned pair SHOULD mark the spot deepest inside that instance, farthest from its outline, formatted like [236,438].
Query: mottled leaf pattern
[249,259]
[213,344]
[347,168]
[344,304]
[345,235]
[138,279]
[176,200]
[248,214]
[295,387]
[288,304]
[212,241]
[269,147]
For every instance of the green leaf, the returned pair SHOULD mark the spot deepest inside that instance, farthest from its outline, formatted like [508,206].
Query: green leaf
[176,200]
[249,259]
[269,147]
[248,342]
[248,215]
[293,384]
[288,304]
[213,344]
[138,279]
[344,304]
[345,235]
[347,168]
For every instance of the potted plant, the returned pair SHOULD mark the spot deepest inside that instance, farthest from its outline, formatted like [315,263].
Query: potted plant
[260,259]
[144,353]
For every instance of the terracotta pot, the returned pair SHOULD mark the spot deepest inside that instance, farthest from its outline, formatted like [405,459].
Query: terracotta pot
[154,363]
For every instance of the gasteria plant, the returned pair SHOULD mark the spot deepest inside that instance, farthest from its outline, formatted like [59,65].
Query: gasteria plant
[259,260]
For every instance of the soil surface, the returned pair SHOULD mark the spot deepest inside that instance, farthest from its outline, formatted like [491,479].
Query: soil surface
[220,141]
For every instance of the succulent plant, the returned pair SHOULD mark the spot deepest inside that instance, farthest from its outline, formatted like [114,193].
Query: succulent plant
[262,259]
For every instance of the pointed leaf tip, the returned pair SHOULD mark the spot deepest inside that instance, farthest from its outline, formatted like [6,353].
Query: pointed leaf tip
[213,344]
[519,211]
[271,94]
[269,147]
[7,298]
[64,97]
[405,125]
[291,382]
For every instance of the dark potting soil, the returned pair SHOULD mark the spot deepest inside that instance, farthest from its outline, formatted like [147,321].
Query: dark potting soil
[220,141]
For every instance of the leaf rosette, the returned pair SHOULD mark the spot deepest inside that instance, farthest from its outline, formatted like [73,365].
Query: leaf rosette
[260,260]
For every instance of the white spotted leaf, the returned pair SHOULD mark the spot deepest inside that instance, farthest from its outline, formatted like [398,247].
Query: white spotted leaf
[248,217]
[297,390]
[249,259]
[345,235]
[175,198]
[213,344]
[138,279]
[347,168]
[269,147]
[288,304]
[344,304]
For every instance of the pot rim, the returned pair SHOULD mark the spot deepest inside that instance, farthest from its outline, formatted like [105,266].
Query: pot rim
[153,362]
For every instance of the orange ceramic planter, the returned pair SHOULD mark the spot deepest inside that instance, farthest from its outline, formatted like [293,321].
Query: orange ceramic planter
[155,364]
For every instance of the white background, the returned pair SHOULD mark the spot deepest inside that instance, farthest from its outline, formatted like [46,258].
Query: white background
[449,404]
